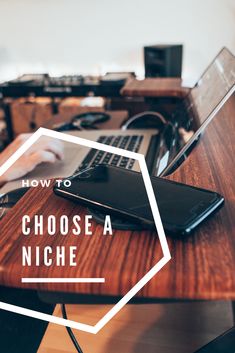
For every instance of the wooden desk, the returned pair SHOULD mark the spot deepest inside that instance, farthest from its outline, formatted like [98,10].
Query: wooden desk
[154,87]
[202,266]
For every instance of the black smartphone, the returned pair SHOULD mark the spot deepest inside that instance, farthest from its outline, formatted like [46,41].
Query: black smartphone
[122,192]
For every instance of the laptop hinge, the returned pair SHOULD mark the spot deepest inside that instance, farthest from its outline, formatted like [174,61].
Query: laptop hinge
[151,153]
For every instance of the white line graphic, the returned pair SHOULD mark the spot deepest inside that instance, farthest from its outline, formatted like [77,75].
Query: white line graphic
[153,204]
[61,280]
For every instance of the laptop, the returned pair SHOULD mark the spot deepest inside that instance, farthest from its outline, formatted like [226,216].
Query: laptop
[162,149]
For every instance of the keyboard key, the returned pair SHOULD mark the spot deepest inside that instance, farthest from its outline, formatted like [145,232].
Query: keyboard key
[115,160]
[95,157]
[116,140]
[107,158]
[124,162]
[101,139]
[131,163]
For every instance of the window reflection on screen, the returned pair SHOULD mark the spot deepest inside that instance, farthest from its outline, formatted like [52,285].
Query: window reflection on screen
[213,85]
[203,98]
[208,92]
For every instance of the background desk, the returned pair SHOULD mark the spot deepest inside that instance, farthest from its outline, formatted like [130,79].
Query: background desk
[155,87]
[202,266]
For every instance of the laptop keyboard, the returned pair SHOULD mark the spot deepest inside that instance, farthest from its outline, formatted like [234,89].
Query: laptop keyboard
[127,142]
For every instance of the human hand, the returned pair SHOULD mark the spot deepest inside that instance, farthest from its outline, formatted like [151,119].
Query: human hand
[46,149]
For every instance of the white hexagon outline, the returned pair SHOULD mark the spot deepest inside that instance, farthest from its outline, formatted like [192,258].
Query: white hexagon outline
[157,219]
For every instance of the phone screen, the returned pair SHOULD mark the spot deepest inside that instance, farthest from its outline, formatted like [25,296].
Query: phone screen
[124,190]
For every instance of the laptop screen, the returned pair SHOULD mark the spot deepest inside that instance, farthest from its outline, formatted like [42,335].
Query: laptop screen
[203,101]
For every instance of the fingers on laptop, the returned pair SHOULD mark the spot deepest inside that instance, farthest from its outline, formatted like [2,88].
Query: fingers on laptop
[44,143]
[45,150]
[43,157]
[56,147]
[47,144]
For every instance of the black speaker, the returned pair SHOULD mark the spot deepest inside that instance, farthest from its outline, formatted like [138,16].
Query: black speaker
[163,60]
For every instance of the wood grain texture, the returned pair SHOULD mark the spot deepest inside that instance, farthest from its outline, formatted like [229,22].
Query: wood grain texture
[126,255]
[154,87]
[202,266]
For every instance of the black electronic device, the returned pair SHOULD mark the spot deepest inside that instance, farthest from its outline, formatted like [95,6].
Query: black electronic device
[201,104]
[145,120]
[122,192]
[116,77]
[8,200]
[88,120]
[163,60]
[44,85]
[225,343]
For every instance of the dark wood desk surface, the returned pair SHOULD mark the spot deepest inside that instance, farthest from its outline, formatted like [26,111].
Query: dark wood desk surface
[154,87]
[202,266]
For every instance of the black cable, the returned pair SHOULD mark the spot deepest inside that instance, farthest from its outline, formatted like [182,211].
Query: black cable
[70,332]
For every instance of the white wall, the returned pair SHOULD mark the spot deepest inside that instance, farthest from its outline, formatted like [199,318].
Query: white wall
[92,36]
